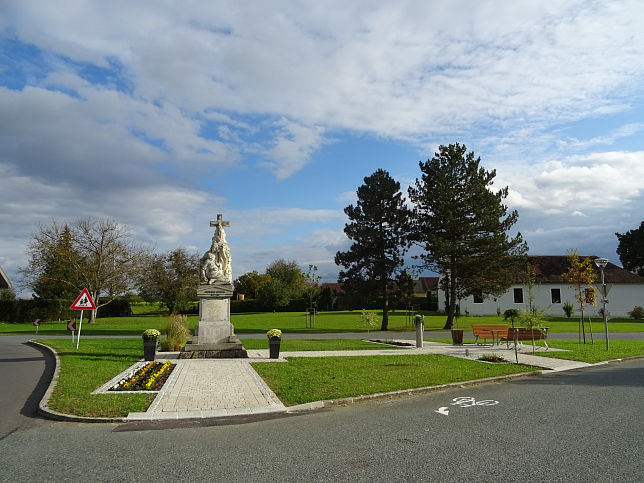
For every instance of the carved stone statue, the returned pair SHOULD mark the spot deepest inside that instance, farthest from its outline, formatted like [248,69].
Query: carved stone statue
[215,263]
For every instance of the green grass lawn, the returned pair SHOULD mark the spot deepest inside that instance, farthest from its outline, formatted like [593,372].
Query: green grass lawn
[298,381]
[84,370]
[341,321]
[594,352]
[303,380]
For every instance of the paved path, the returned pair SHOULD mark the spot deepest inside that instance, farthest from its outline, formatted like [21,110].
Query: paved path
[208,388]
[211,388]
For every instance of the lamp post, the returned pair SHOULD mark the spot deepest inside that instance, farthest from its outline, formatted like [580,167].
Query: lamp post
[601,263]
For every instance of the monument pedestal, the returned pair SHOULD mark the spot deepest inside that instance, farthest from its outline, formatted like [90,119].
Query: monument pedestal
[214,335]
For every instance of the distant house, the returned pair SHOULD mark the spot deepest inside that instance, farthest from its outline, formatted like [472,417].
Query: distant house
[4,280]
[551,292]
[426,284]
[335,287]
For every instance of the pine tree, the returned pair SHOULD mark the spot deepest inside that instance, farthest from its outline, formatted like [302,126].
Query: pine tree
[461,225]
[631,249]
[378,226]
[56,278]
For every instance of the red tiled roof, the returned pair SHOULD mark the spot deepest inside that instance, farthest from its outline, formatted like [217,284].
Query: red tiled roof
[548,269]
[425,284]
[334,286]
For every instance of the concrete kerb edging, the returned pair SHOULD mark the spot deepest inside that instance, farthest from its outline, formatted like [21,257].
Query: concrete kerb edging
[43,410]
[327,403]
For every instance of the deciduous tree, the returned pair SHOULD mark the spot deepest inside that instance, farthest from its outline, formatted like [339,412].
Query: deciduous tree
[251,283]
[378,229]
[312,289]
[274,295]
[290,274]
[462,226]
[581,275]
[103,258]
[171,278]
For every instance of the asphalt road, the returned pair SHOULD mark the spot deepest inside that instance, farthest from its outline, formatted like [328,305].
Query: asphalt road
[575,426]
[25,373]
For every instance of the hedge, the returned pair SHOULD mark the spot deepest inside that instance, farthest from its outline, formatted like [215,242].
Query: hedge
[23,311]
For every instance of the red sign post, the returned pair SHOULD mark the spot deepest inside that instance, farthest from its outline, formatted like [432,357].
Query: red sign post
[82,302]
[37,324]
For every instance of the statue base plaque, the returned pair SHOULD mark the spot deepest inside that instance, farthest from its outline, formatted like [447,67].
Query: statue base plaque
[214,335]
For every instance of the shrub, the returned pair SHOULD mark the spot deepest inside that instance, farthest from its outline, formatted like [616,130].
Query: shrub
[369,319]
[531,319]
[637,313]
[177,334]
[511,314]
[119,307]
[568,308]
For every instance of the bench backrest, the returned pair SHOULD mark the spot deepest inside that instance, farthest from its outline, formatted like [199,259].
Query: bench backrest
[528,334]
[486,330]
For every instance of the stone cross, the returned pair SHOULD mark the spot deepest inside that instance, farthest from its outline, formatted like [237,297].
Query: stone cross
[220,221]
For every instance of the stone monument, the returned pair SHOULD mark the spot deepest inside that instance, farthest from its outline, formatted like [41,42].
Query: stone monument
[214,335]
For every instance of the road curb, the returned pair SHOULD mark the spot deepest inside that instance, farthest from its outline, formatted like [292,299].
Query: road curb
[45,411]
[328,403]
[48,413]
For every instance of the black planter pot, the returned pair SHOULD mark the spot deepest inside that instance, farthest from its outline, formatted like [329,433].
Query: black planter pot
[149,349]
[274,348]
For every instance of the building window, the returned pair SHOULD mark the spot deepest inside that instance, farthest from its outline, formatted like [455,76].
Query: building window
[518,295]
[478,296]
[555,295]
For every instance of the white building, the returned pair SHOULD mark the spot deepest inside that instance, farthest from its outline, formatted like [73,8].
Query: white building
[551,292]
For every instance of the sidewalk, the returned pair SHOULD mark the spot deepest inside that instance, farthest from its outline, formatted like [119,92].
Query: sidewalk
[215,388]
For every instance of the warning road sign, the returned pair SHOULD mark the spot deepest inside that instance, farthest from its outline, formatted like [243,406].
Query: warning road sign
[37,322]
[83,301]
[71,325]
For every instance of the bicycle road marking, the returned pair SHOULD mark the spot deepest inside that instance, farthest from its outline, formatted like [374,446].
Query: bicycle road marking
[466,402]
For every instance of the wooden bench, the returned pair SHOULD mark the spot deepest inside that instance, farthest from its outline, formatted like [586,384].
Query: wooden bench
[489,331]
[519,334]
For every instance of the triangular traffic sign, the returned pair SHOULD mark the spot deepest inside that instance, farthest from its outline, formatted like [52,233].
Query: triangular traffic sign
[83,301]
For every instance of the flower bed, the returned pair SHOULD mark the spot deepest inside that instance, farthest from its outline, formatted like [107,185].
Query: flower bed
[150,377]
[492,358]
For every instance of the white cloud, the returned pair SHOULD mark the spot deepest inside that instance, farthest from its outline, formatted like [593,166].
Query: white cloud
[580,183]
[292,148]
[395,71]
[187,90]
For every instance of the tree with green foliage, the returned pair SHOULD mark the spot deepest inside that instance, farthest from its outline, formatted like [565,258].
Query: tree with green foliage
[378,228]
[56,278]
[251,283]
[290,274]
[7,294]
[631,250]
[462,226]
[274,295]
[405,285]
[581,275]
[171,278]
[325,300]
[100,256]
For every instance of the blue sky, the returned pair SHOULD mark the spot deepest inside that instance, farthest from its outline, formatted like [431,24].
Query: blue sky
[161,115]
